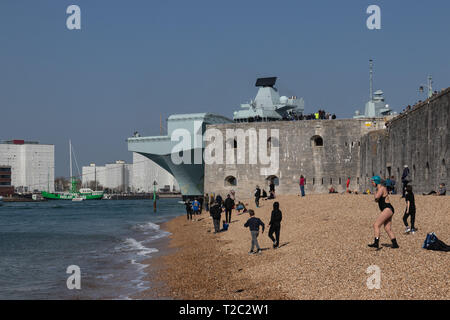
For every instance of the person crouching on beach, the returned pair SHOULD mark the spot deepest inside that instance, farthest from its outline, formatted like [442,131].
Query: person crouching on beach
[216,211]
[275,225]
[385,217]
[253,223]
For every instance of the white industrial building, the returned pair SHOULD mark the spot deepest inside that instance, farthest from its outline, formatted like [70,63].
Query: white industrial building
[32,165]
[123,177]
[145,172]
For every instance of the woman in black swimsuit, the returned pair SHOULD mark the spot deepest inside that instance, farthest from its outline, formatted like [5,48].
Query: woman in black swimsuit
[385,217]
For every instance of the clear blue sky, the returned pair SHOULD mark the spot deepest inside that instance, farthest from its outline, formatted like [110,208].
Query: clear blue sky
[133,60]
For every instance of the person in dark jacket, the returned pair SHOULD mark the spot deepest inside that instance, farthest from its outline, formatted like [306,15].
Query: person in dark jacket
[257,196]
[405,179]
[275,225]
[219,200]
[272,186]
[216,211]
[188,209]
[264,194]
[228,204]
[410,210]
[253,224]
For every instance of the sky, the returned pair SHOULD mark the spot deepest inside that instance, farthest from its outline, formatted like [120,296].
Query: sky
[133,61]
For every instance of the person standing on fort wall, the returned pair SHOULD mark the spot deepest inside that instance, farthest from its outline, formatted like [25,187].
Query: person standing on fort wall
[405,179]
[302,185]
[385,217]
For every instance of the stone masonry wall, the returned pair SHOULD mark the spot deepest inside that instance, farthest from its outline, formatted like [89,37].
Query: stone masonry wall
[322,166]
[419,138]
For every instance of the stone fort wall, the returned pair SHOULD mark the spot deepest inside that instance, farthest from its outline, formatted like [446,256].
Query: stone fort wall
[419,138]
[325,152]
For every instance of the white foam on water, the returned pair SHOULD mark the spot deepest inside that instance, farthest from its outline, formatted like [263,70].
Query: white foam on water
[146,226]
[131,245]
[105,277]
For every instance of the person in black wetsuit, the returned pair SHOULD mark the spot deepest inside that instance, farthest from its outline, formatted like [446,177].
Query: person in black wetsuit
[275,225]
[410,210]
[385,217]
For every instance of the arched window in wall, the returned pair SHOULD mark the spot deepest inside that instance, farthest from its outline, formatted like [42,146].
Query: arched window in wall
[230,181]
[316,141]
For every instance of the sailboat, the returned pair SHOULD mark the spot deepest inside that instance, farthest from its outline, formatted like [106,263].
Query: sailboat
[84,193]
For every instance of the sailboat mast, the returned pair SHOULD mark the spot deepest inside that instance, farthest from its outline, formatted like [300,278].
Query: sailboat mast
[70,157]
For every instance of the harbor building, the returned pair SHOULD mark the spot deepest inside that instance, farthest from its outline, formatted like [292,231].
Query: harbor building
[116,177]
[93,176]
[137,177]
[32,165]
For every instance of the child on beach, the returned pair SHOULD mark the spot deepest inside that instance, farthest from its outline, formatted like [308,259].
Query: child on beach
[410,210]
[253,223]
[196,206]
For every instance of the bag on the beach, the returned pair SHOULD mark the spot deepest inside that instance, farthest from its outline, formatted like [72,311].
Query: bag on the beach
[225,226]
[431,237]
[433,243]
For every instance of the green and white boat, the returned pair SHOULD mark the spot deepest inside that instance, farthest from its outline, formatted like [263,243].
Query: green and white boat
[84,193]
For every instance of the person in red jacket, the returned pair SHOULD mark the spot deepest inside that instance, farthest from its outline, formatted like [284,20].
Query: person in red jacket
[302,185]
[348,185]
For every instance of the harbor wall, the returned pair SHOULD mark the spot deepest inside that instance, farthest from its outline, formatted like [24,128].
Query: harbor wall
[419,138]
[325,152]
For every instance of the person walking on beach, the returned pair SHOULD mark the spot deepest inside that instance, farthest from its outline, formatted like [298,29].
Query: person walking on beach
[228,204]
[196,206]
[216,211]
[253,224]
[348,185]
[200,200]
[206,201]
[188,209]
[410,210]
[257,196]
[405,179]
[385,217]
[219,199]
[275,225]
[302,185]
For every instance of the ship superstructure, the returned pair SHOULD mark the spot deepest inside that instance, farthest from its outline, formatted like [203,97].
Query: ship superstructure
[268,105]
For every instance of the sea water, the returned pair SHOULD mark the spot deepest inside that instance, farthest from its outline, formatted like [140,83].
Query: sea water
[108,240]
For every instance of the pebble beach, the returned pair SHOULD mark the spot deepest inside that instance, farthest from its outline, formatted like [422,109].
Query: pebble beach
[323,253]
